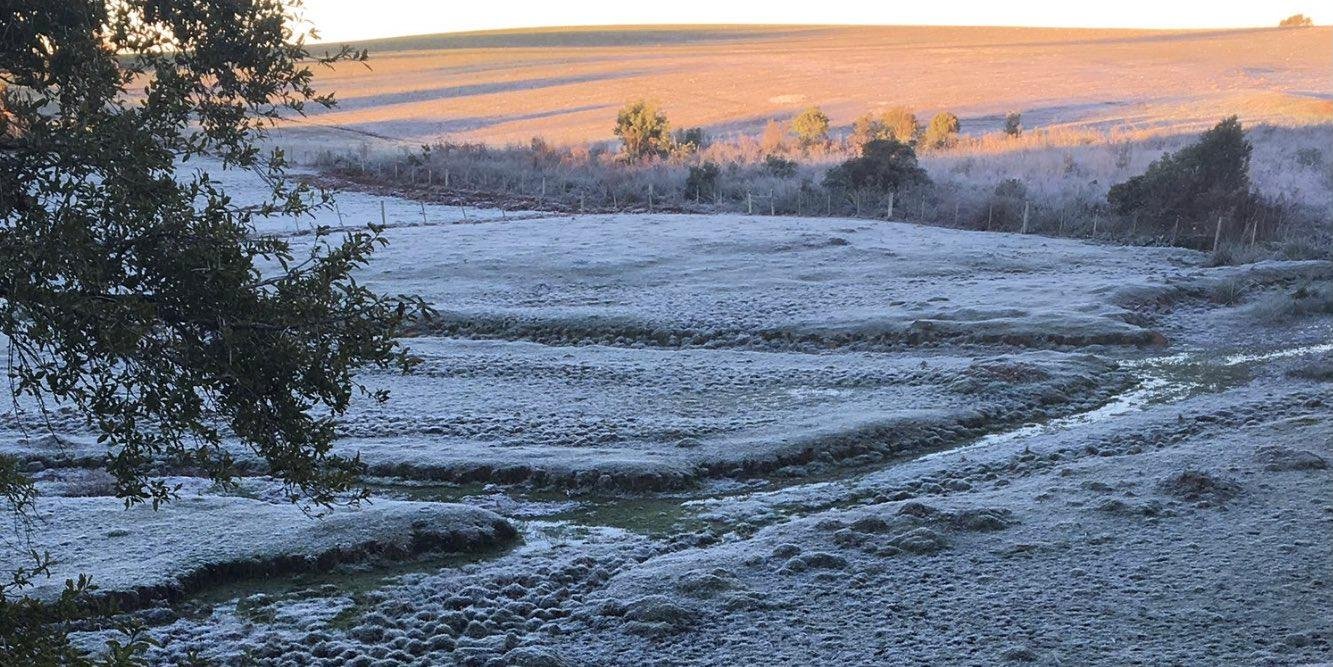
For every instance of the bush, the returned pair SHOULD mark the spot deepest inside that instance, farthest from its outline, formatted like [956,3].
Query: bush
[1011,188]
[866,129]
[1296,21]
[1005,206]
[702,181]
[773,139]
[943,131]
[885,165]
[779,166]
[1310,157]
[900,124]
[644,130]
[1204,180]
[811,127]
[692,137]
[1013,124]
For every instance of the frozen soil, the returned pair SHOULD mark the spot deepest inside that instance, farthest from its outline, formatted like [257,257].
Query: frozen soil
[139,556]
[519,412]
[574,417]
[1192,531]
[733,440]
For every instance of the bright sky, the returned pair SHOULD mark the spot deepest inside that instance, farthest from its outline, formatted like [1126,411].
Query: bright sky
[343,20]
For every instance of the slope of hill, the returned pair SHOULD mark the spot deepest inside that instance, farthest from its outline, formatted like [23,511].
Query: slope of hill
[565,84]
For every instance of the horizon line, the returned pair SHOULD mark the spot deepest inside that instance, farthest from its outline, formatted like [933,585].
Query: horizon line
[642,26]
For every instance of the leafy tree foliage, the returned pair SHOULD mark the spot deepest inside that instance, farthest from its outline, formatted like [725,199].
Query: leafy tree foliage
[867,128]
[779,166]
[1198,183]
[135,290]
[900,124]
[1296,21]
[811,127]
[643,130]
[692,138]
[702,181]
[884,165]
[1013,123]
[942,131]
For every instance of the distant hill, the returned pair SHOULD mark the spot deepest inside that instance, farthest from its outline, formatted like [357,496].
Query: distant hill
[565,84]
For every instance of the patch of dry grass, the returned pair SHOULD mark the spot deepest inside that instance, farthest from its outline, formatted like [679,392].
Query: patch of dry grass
[1059,177]
[1285,306]
[565,84]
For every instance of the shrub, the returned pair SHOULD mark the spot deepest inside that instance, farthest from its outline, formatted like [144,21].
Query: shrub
[1310,157]
[773,139]
[1011,188]
[884,165]
[1228,292]
[1296,21]
[1199,182]
[942,131]
[643,129]
[1005,206]
[702,181]
[1013,123]
[900,124]
[692,137]
[779,166]
[866,129]
[811,127]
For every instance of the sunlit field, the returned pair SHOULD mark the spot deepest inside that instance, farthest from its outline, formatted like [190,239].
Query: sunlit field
[565,85]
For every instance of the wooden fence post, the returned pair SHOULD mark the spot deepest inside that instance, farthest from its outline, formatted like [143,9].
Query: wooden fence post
[650,197]
[1025,218]
[749,203]
[1217,233]
[772,203]
[890,206]
[384,217]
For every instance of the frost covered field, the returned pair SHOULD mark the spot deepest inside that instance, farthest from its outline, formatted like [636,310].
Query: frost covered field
[658,439]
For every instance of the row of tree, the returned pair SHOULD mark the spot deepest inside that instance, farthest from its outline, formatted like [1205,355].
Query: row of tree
[644,130]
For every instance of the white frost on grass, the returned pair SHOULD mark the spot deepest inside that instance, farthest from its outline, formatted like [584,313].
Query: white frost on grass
[139,554]
[512,411]
[735,280]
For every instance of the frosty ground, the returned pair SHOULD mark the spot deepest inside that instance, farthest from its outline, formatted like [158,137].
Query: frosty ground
[721,439]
